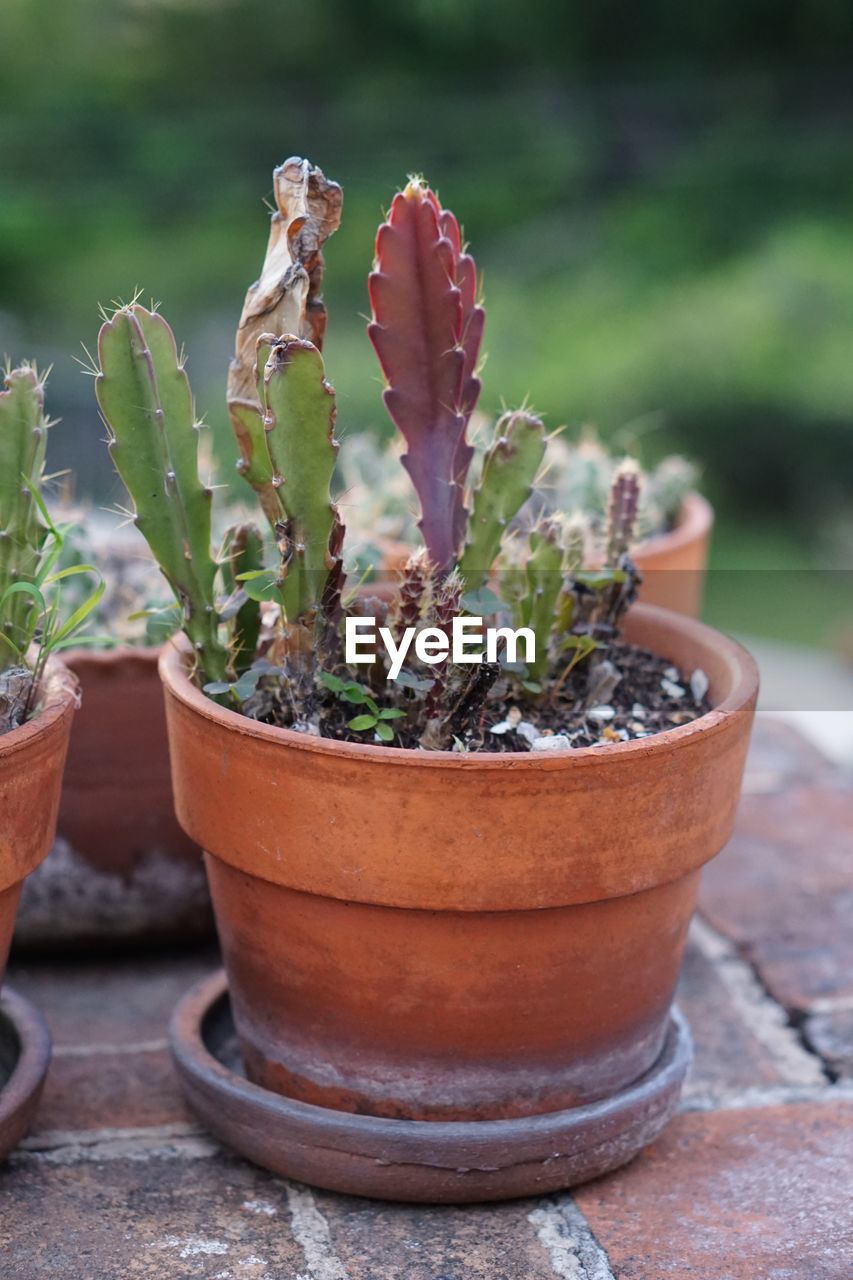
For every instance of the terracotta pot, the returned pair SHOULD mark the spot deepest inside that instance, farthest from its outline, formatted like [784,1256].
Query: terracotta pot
[436,936]
[31,762]
[673,564]
[122,868]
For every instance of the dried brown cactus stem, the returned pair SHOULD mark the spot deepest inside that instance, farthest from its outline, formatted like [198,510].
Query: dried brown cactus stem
[285,299]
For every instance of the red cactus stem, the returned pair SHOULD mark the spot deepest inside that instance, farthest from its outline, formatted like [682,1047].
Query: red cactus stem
[427,328]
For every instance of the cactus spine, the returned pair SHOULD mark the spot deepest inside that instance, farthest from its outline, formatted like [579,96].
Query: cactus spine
[145,398]
[23,439]
[509,469]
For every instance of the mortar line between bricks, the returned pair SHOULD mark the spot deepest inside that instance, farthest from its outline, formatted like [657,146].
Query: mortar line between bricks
[760,1013]
[772,1095]
[51,1139]
[94,1050]
[178,1141]
[573,1250]
[311,1232]
[829,1004]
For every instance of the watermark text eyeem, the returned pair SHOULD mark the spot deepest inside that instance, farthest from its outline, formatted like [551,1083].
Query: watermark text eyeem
[469,641]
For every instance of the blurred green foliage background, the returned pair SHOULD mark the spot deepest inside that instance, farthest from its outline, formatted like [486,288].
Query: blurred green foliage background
[659,196]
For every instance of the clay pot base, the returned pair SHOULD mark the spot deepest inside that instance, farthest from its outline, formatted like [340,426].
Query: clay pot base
[428,1161]
[24,1059]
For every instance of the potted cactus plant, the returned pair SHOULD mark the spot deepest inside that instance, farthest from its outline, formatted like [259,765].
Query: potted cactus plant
[452,887]
[38,697]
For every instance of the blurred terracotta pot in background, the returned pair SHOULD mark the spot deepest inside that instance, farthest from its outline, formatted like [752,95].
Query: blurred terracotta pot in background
[673,564]
[122,868]
[438,936]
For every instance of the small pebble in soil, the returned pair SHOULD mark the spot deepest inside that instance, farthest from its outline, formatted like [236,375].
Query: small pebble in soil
[601,714]
[551,742]
[671,689]
[699,685]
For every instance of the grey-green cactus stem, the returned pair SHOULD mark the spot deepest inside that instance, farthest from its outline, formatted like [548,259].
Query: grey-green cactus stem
[575,549]
[23,438]
[145,398]
[509,470]
[544,574]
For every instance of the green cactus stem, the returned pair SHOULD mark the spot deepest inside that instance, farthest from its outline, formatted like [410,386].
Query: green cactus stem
[23,439]
[242,552]
[509,470]
[299,422]
[145,398]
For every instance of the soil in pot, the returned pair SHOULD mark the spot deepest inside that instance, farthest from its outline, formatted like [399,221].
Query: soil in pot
[632,695]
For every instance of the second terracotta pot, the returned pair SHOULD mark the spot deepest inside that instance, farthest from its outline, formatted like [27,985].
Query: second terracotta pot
[435,936]
[31,763]
[121,870]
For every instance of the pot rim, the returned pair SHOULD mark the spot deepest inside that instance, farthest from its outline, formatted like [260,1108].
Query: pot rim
[116,656]
[59,689]
[742,690]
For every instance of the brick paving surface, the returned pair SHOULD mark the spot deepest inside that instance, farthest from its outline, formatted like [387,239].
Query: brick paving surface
[753,1181]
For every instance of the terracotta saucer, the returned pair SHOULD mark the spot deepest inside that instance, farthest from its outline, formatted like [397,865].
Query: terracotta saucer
[429,1161]
[24,1059]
